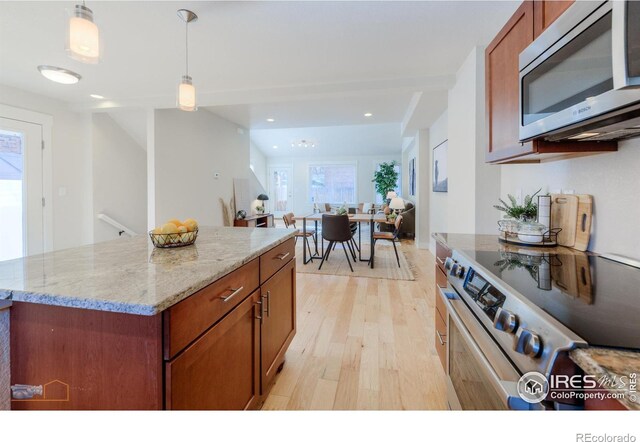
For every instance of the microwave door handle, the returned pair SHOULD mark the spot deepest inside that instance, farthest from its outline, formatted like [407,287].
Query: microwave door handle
[508,390]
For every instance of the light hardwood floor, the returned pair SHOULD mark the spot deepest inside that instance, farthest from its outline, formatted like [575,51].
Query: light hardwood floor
[363,344]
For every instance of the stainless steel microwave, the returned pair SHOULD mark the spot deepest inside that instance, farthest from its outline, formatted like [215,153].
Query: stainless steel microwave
[580,79]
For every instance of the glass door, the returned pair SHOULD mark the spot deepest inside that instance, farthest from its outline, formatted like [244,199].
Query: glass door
[21,189]
[280,190]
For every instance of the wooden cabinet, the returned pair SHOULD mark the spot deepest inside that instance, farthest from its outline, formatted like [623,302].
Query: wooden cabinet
[503,91]
[219,371]
[218,349]
[546,12]
[264,220]
[440,311]
[501,77]
[278,321]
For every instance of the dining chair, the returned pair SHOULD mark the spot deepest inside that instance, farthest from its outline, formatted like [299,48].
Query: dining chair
[389,236]
[336,229]
[290,220]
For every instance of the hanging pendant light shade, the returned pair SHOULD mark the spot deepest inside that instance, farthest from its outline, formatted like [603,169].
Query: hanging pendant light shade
[186,90]
[83,37]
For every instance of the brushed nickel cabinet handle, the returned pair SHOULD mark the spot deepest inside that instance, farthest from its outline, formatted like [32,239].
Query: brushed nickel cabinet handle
[258,316]
[442,341]
[268,303]
[439,260]
[283,256]
[234,293]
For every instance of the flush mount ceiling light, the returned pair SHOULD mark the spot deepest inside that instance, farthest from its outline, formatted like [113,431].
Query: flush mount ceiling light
[186,90]
[368,114]
[59,75]
[83,37]
[270,120]
[96,96]
[275,147]
[303,143]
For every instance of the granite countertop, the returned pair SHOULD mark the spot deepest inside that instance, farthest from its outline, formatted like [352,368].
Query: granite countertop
[492,243]
[129,275]
[613,365]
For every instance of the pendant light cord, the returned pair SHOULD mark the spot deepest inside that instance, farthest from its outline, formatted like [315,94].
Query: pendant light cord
[186,46]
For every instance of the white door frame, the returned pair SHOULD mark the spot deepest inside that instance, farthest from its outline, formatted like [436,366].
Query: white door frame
[290,189]
[46,122]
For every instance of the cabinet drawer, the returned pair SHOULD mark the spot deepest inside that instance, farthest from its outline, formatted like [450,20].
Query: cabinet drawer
[219,371]
[276,258]
[442,253]
[441,278]
[188,319]
[441,339]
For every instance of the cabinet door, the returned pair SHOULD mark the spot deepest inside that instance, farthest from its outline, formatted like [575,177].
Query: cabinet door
[546,12]
[502,89]
[279,320]
[220,370]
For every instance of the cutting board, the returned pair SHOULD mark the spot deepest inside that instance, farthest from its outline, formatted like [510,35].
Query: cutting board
[564,215]
[572,214]
[583,225]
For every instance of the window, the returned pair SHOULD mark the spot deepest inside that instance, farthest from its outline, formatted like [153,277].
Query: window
[398,188]
[332,183]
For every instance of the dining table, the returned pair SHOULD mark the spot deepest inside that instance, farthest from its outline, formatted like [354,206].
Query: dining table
[353,218]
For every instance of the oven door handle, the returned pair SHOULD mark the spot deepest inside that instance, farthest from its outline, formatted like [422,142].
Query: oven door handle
[508,390]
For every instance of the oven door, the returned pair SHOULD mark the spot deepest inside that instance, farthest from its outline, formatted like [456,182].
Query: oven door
[480,377]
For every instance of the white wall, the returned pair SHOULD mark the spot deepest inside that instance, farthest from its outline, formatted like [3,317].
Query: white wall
[366,165]
[189,148]
[611,178]
[259,163]
[439,201]
[72,170]
[119,179]
[473,185]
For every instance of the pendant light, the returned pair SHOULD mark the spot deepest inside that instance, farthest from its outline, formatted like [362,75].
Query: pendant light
[83,37]
[186,90]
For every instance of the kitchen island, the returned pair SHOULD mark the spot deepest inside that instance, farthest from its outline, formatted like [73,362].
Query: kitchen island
[123,325]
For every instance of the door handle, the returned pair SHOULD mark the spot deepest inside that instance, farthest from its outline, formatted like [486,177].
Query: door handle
[268,303]
[258,316]
[235,292]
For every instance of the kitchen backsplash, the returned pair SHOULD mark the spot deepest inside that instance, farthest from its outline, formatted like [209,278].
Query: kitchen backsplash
[614,181]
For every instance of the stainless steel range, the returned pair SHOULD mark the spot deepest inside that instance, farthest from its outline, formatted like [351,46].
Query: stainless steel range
[516,312]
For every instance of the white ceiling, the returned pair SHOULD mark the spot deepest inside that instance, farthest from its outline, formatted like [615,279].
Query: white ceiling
[303,63]
[369,139]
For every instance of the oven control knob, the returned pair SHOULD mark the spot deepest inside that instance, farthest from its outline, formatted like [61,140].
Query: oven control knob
[505,321]
[528,343]
[458,271]
[449,263]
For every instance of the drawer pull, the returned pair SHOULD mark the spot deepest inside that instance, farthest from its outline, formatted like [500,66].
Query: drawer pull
[282,256]
[442,341]
[235,292]
[439,260]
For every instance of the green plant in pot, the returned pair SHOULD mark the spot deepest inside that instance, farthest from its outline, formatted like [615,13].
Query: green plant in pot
[385,178]
[515,214]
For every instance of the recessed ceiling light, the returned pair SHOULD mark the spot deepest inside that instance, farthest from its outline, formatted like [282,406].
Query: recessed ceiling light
[99,97]
[59,75]
[275,147]
[368,114]
[270,120]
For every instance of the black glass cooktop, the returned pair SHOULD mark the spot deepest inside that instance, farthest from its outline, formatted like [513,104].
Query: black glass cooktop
[596,298]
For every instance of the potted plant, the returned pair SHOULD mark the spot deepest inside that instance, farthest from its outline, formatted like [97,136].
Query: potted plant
[515,214]
[385,178]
